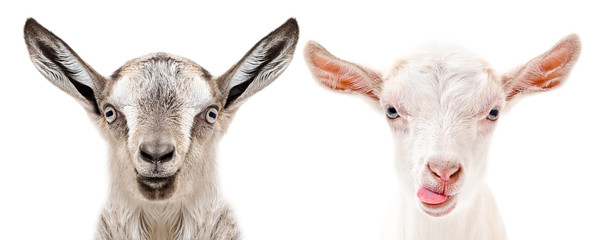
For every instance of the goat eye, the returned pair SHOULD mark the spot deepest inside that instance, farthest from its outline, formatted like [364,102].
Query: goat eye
[211,114]
[493,114]
[391,112]
[110,114]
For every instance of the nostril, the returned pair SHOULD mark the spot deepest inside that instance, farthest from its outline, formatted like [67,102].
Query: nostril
[167,156]
[434,173]
[145,156]
[156,152]
[456,173]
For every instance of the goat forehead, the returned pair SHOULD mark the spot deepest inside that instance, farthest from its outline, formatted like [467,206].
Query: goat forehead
[162,81]
[445,84]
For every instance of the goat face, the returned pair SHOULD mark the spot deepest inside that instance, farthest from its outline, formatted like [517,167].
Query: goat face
[442,106]
[156,107]
[442,110]
[161,114]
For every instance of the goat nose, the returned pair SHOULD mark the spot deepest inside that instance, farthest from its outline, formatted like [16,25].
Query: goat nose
[445,173]
[159,153]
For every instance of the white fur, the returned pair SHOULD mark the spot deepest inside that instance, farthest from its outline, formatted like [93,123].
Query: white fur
[442,92]
[443,96]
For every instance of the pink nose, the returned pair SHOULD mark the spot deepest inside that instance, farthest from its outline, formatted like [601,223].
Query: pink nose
[445,173]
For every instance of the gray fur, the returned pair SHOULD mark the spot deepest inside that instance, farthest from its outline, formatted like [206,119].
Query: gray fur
[162,98]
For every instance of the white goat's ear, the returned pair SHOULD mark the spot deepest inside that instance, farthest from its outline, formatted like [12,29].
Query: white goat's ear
[545,72]
[62,66]
[260,66]
[341,75]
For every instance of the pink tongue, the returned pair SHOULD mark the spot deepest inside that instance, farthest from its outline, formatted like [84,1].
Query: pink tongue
[429,197]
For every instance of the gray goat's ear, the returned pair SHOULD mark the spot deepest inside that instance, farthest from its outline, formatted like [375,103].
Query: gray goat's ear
[260,66]
[62,66]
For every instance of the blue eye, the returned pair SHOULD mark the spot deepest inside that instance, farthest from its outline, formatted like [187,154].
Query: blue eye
[391,112]
[493,114]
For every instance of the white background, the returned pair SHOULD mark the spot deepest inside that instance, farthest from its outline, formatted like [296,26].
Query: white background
[299,161]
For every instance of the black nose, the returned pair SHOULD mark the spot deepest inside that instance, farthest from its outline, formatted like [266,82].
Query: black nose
[156,152]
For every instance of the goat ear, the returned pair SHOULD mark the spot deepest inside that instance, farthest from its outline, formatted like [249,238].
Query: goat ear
[341,75]
[545,72]
[260,66]
[62,66]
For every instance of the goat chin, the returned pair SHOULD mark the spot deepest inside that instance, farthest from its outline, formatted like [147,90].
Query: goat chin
[478,218]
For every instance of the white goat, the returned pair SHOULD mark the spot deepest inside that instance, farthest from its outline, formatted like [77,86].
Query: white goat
[442,106]
[163,116]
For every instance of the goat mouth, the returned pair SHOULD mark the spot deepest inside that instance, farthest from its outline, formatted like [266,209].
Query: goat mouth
[435,204]
[156,188]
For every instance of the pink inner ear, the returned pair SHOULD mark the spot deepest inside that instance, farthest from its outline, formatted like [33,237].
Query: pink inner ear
[546,71]
[343,76]
[552,68]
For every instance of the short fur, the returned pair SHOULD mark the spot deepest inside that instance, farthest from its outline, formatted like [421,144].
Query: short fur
[439,102]
[162,99]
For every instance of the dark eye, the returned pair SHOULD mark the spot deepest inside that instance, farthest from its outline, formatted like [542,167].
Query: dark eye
[493,114]
[110,114]
[211,114]
[391,112]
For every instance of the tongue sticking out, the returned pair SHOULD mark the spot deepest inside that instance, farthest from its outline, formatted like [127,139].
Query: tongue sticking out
[429,197]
